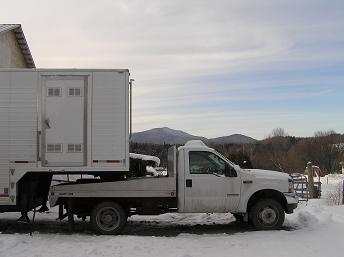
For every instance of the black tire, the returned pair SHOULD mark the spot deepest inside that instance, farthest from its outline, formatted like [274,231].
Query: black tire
[108,218]
[238,217]
[267,214]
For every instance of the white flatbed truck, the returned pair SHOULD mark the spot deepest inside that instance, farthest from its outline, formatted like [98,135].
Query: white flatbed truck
[78,122]
[200,180]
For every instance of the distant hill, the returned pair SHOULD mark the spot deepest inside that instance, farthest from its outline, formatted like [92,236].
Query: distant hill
[164,135]
[171,136]
[233,139]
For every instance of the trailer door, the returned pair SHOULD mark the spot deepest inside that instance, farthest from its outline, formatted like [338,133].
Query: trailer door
[63,120]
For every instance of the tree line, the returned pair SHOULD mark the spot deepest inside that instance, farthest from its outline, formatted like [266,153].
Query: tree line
[278,151]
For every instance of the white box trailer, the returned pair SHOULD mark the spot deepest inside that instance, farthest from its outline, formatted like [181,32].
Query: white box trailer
[59,121]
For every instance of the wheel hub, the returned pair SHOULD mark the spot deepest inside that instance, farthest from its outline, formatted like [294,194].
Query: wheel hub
[268,216]
[108,218]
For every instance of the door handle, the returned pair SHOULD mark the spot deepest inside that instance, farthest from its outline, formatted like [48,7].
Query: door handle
[188,182]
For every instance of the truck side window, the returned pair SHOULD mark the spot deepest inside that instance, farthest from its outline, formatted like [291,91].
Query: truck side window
[202,162]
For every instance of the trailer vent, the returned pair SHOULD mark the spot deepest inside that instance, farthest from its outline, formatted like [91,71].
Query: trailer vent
[5,193]
[54,148]
[54,91]
[74,91]
[74,148]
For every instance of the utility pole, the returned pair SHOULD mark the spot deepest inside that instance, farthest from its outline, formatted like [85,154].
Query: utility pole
[310,180]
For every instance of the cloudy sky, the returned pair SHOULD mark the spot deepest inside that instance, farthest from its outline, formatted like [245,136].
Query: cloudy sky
[210,68]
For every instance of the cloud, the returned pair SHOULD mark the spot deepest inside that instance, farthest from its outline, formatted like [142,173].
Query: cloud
[189,55]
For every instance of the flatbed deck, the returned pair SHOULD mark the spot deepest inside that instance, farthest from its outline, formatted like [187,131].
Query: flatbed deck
[135,187]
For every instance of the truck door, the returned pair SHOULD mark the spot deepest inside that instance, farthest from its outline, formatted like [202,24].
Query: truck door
[63,120]
[207,189]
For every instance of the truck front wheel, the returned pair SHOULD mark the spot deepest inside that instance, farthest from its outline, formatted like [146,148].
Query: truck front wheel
[108,218]
[267,214]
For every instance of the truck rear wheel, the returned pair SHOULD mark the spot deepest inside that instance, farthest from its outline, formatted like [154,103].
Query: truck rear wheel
[108,218]
[267,214]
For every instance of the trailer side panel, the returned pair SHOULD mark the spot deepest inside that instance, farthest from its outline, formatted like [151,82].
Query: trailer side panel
[18,125]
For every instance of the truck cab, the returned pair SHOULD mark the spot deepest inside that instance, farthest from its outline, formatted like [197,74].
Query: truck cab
[209,182]
[199,180]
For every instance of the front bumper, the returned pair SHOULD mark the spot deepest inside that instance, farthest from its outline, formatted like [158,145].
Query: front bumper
[292,201]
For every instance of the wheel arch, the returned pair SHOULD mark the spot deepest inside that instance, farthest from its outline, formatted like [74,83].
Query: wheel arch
[267,194]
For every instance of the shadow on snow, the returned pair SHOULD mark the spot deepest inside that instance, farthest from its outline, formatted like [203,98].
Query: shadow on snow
[133,228]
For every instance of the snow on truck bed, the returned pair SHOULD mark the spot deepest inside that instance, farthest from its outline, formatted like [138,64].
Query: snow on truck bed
[145,157]
[316,229]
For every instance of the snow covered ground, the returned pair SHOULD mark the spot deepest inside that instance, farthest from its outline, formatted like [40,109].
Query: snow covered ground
[315,229]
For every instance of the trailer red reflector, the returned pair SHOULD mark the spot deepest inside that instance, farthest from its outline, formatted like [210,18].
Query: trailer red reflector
[21,161]
[107,161]
[113,161]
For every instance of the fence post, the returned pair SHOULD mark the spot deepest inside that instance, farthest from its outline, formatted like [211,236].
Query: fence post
[310,180]
[343,192]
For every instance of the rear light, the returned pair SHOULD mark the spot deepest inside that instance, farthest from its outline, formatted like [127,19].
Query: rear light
[290,186]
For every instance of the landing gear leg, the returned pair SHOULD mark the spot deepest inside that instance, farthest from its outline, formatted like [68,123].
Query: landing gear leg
[24,218]
[70,215]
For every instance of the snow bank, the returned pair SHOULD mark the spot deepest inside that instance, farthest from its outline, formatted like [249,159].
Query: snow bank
[312,214]
[319,212]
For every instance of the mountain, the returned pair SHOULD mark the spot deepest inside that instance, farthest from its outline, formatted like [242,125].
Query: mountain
[172,136]
[164,135]
[233,139]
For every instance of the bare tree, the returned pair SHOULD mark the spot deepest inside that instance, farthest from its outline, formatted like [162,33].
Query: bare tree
[327,152]
[278,132]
